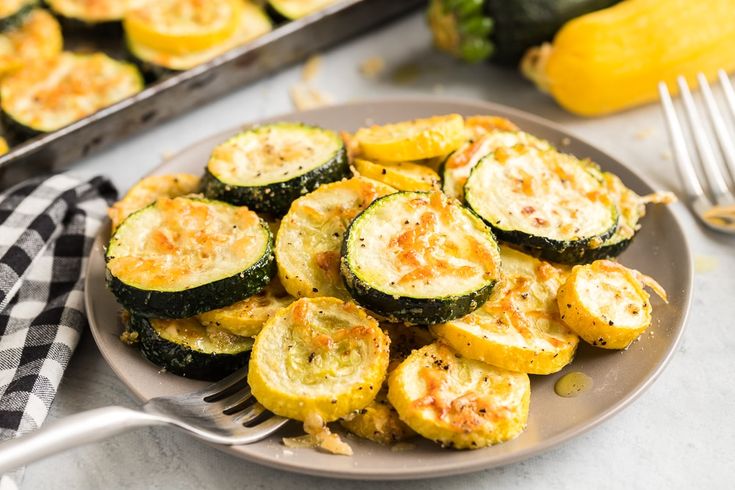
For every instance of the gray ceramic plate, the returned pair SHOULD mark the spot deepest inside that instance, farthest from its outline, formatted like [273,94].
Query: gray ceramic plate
[660,249]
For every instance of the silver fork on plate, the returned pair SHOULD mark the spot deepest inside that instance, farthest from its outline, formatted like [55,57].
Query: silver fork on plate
[223,413]
[715,206]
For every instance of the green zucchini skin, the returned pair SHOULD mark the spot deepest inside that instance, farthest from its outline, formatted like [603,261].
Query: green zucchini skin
[502,30]
[190,302]
[417,311]
[16,19]
[275,198]
[182,360]
[15,131]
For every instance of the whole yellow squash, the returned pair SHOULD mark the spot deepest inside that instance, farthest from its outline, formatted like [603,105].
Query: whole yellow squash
[613,59]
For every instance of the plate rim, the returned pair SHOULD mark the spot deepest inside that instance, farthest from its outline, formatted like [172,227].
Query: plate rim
[436,471]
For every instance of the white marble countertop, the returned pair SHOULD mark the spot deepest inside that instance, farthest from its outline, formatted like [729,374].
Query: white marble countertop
[678,434]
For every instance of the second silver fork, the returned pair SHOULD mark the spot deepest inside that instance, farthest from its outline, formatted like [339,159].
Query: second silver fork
[712,199]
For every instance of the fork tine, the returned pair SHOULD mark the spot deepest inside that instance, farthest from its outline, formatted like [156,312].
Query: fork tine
[711,168]
[728,90]
[225,387]
[684,163]
[718,123]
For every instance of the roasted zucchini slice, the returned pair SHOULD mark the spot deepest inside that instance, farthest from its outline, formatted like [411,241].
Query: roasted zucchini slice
[180,257]
[632,208]
[14,12]
[266,168]
[605,303]
[36,37]
[247,317]
[148,190]
[457,167]
[541,200]
[92,13]
[459,402]
[188,348]
[519,327]
[296,9]
[411,140]
[253,23]
[310,238]
[419,258]
[319,358]
[404,176]
[46,95]
[183,26]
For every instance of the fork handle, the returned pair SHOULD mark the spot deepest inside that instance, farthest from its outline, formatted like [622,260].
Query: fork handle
[75,430]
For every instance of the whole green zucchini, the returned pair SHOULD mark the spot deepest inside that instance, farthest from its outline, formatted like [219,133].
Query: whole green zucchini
[501,30]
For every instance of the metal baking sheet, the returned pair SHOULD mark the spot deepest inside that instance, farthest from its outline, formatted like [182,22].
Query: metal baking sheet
[286,44]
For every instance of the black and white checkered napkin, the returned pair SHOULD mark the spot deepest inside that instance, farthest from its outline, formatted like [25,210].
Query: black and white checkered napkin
[47,227]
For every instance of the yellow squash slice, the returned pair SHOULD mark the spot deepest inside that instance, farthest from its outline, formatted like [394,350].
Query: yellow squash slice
[404,176]
[605,303]
[183,26]
[519,328]
[319,358]
[378,422]
[37,38]
[247,317]
[148,190]
[310,237]
[459,402]
[3,146]
[253,23]
[412,140]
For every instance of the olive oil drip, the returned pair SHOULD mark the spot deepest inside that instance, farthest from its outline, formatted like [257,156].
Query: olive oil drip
[572,384]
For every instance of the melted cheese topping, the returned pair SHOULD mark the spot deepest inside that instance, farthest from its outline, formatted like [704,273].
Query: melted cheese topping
[148,190]
[273,153]
[522,312]
[253,23]
[38,38]
[182,243]
[458,401]
[612,295]
[94,10]
[540,193]
[319,356]
[459,164]
[631,206]
[206,339]
[311,234]
[422,246]
[11,7]
[294,9]
[49,94]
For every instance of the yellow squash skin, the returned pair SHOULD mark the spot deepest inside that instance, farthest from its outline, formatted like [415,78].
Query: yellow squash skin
[247,317]
[404,176]
[318,359]
[605,304]
[459,402]
[613,59]
[519,327]
[412,140]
